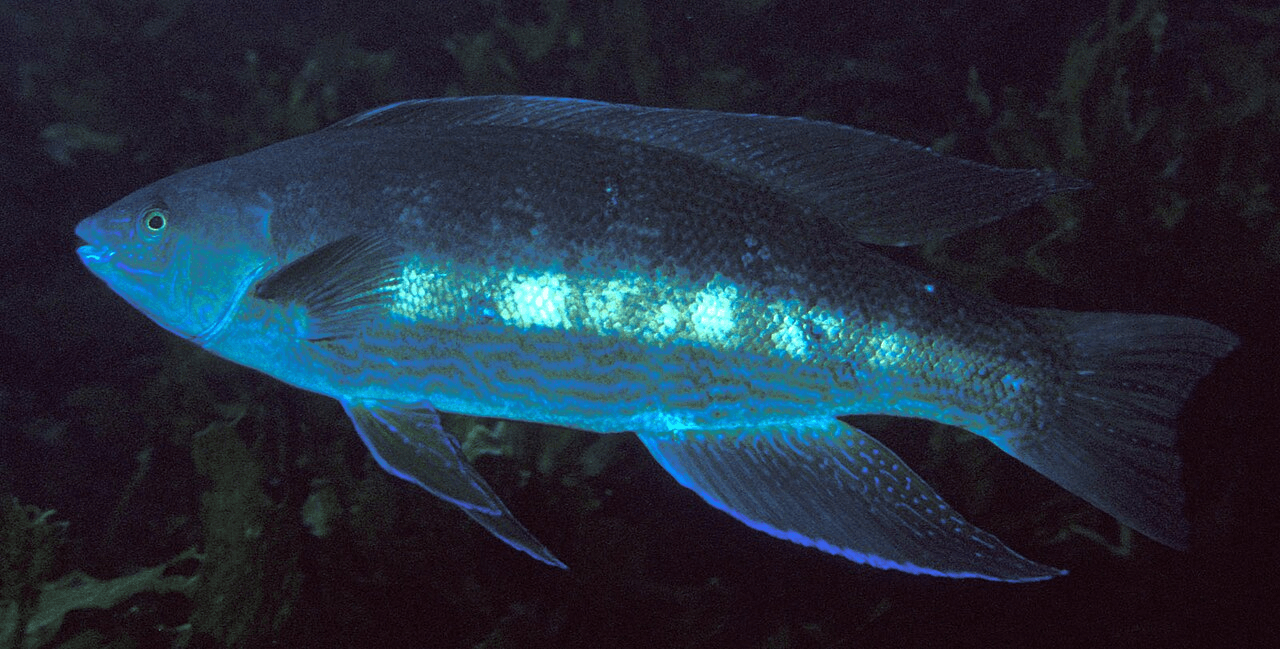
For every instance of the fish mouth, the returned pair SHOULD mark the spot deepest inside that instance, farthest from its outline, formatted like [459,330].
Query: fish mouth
[93,252]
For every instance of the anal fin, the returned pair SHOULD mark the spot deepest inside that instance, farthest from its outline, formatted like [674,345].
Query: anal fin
[830,486]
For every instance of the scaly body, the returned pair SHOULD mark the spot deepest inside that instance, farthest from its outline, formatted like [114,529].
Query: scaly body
[566,294]
[692,277]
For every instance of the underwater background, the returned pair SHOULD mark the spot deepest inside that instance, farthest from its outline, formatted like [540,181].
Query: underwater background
[152,495]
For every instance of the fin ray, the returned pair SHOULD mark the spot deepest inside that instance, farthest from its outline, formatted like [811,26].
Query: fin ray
[1114,442]
[409,443]
[879,189]
[831,486]
[342,284]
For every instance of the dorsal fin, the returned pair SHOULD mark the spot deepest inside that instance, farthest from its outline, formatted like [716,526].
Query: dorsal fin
[880,189]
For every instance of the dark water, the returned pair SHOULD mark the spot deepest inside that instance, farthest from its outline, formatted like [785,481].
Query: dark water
[147,447]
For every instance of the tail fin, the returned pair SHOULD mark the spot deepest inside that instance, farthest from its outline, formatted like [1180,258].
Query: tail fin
[1115,438]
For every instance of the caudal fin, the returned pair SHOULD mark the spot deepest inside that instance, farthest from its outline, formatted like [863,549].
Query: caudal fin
[1114,442]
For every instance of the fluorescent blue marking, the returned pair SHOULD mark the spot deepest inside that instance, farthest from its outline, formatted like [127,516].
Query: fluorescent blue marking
[390,427]
[138,271]
[377,111]
[210,333]
[93,254]
[796,496]
[872,560]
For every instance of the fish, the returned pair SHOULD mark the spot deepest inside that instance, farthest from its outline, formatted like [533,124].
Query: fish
[711,282]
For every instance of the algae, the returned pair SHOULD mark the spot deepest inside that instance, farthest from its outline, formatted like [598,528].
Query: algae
[1152,121]
[335,76]
[250,574]
[33,607]
[78,591]
[29,541]
[244,578]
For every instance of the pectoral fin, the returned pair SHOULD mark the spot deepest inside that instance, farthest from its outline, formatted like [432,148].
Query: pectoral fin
[409,443]
[342,285]
[833,487]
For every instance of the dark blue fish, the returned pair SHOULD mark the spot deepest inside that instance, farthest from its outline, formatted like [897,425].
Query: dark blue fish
[695,277]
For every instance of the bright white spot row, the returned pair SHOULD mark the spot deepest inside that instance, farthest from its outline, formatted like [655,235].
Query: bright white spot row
[535,300]
[790,337]
[887,347]
[713,315]
[637,306]
[426,292]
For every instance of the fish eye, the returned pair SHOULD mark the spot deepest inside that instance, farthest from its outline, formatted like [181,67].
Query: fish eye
[152,222]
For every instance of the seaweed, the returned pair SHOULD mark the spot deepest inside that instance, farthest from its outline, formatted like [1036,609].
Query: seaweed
[33,606]
[1175,122]
[29,541]
[249,579]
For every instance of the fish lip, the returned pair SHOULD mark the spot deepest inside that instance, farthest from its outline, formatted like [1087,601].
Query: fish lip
[93,252]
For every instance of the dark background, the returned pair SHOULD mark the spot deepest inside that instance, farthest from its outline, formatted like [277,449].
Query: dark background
[147,447]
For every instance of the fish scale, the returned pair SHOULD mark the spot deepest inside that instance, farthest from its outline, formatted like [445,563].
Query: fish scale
[655,313]
[697,278]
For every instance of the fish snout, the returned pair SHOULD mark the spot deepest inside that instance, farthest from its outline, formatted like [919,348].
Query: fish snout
[95,252]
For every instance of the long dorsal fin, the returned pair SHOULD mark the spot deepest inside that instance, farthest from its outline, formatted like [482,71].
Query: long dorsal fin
[880,189]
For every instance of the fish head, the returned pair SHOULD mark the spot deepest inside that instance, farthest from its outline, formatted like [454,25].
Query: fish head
[183,250]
